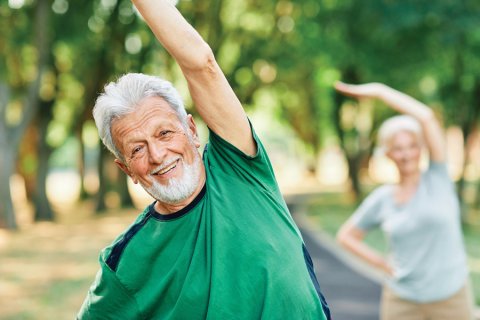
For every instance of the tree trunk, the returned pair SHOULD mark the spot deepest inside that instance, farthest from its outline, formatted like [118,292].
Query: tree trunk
[81,163]
[475,121]
[10,136]
[468,122]
[354,159]
[125,198]
[103,181]
[43,210]
[7,166]
[353,163]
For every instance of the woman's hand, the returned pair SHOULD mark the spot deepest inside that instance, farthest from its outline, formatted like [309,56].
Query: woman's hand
[405,104]
[367,90]
[386,268]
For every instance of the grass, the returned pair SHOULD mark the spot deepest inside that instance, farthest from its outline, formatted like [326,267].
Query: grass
[47,268]
[329,211]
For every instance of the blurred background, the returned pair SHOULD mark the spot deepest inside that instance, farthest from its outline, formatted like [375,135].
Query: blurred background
[61,197]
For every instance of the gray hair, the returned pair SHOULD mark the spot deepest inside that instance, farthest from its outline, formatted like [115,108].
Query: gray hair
[396,124]
[123,97]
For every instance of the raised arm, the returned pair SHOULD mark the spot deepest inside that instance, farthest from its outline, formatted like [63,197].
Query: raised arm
[405,104]
[212,95]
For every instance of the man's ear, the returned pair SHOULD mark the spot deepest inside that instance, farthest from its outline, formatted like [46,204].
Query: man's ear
[193,130]
[125,169]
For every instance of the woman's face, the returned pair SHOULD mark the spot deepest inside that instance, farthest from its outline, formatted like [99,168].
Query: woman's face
[404,150]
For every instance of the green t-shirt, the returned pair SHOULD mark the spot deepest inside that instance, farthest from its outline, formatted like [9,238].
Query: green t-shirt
[233,253]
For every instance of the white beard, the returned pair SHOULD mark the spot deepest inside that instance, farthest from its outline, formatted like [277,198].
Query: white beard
[177,189]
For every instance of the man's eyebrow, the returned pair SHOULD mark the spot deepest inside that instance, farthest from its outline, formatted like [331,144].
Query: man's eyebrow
[132,140]
[160,125]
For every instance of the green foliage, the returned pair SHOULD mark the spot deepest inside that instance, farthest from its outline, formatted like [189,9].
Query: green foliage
[296,49]
[282,56]
[302,46]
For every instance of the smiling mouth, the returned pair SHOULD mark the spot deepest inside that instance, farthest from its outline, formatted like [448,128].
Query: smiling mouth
[166,169]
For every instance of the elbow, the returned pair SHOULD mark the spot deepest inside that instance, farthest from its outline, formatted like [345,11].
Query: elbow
[428,117]
[202,61]
[348,236]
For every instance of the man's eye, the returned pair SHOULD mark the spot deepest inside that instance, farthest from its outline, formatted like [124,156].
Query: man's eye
[165,133]
[136,150]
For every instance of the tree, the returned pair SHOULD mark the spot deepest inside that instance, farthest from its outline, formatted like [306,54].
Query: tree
[11,133]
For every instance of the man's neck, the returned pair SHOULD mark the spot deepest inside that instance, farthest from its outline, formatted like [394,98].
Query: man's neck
[169,208]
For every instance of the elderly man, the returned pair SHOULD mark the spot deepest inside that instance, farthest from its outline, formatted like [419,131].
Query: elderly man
[218,242]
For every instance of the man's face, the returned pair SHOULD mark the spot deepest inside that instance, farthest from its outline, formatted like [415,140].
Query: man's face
[159,152]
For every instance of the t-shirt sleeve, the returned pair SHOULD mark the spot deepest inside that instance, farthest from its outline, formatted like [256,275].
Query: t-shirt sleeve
[368,215]
[439,186]
[255,170]
[107,298]
[437,172]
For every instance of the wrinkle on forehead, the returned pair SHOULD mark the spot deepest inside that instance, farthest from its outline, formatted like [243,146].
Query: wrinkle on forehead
[136,124]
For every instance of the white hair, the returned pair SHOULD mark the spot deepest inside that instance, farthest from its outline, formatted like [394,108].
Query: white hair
[394,125]
[123,97]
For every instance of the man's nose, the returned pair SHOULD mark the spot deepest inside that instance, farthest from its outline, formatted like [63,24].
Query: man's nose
[156,153]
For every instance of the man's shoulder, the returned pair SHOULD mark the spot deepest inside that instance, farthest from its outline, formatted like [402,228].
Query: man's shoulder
[112,254]
[235,169]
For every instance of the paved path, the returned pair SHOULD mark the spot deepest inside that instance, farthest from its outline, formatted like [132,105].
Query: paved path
[350,294]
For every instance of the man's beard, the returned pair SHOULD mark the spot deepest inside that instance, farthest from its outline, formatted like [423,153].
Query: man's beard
[177,189]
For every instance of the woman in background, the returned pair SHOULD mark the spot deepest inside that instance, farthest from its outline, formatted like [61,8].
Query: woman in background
[427,275]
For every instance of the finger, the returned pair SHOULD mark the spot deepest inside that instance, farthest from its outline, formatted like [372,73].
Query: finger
[339,85]
[347,89]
